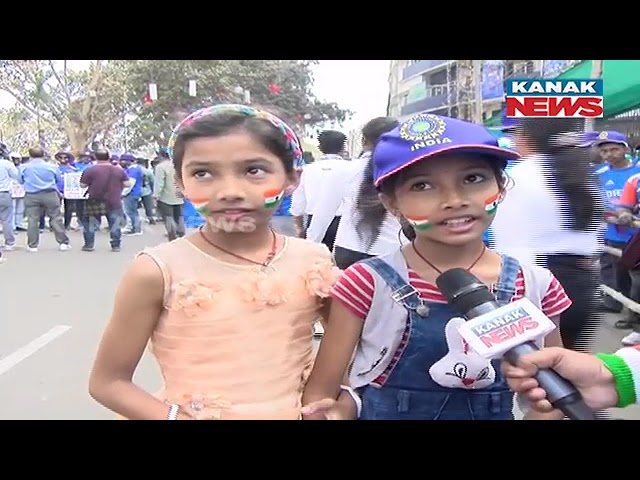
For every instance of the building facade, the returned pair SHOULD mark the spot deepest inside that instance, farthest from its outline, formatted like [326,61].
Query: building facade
[448,87]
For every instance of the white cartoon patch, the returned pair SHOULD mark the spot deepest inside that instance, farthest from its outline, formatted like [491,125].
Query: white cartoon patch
[461,367]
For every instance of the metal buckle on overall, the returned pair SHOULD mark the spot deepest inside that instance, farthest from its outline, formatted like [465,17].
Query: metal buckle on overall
[403,292]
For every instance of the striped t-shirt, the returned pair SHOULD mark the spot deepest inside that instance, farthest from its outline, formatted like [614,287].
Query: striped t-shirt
[355,288]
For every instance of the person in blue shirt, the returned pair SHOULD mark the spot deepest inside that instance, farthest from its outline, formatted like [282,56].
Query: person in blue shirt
[42,197]
[66,165]
[132,197]
[85,160]
[613,148]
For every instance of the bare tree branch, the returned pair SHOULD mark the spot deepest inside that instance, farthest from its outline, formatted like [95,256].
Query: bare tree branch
[62,84]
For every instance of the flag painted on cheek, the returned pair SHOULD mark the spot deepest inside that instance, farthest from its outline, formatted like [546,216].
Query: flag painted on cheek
[201,206]
[272,198]
[491,204]
[420,224]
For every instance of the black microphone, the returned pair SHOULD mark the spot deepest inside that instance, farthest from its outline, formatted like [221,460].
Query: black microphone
[471,298]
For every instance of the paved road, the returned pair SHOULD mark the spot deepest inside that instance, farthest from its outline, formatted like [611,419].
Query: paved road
[54,306]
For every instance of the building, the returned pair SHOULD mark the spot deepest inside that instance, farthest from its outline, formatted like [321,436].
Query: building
[448,87]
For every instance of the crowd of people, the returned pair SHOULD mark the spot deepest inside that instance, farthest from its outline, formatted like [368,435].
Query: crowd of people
[42,191]
[229,309]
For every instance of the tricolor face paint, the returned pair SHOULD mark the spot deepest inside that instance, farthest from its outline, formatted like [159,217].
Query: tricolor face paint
[491,204]
[272,198]
[420,224]
[202,206]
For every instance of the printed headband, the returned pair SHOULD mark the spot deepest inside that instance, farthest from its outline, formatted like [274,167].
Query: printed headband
[292,139]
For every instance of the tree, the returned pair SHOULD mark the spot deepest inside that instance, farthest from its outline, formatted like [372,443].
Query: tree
[285,84]
[83,104]
[19,131]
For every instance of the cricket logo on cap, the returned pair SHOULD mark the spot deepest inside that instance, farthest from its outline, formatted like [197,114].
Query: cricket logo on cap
[424,130]
[603,135]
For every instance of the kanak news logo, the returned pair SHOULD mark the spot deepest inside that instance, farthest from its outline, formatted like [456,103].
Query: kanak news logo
[505,327]
[555,98]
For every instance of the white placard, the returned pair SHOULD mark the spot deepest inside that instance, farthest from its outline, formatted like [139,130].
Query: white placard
[72,188]
[17,190]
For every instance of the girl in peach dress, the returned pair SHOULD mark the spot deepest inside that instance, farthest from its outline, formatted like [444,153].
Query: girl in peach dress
[227,311]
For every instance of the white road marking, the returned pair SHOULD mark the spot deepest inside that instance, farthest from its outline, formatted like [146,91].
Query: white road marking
[10,361]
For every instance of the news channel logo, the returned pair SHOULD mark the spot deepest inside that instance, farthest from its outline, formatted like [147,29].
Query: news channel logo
[538,98]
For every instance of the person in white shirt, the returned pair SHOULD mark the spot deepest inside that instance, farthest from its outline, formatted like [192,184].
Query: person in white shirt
[553,217]
[366,229]
[8,174]
[316,178]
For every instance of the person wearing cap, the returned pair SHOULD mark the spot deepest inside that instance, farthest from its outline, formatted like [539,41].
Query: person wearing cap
[444,179]
[85,160]
[612,147]
[132,197]
[629,262]
[147,190]
[553,216]
[66,165]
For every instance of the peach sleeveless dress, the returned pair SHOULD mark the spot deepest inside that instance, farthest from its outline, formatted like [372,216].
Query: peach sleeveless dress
[235,341]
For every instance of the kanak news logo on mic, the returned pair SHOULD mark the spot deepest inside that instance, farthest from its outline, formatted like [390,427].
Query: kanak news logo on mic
[535,98]
[495,333]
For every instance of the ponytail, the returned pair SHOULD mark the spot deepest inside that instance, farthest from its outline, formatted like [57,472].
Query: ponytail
[569,168]
[371,212]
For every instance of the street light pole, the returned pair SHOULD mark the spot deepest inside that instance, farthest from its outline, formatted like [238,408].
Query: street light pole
[477,83]
[596,72]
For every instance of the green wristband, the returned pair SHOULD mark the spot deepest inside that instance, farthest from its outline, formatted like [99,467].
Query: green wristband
[623,378]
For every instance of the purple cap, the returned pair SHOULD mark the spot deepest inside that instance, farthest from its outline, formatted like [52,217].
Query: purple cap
[588,138]
[611,137]
[128,157]
[508,123]
[426,135]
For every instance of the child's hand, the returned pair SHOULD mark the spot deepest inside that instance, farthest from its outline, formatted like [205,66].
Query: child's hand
[330,409]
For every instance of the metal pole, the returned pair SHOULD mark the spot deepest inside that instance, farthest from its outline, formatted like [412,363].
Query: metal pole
[477,83]
[596,72]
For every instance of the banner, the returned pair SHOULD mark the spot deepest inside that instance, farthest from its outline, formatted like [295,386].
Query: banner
[553,68]
[492,79]
[72,188]
[17,190]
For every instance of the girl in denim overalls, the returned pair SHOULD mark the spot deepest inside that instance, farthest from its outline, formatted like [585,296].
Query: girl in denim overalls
[390,330]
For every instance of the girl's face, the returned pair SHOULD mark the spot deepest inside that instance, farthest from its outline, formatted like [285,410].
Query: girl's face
[449,199]
[233,181]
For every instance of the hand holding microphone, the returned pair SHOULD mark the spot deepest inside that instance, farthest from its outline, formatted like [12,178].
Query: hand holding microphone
[586,372]
[508,332]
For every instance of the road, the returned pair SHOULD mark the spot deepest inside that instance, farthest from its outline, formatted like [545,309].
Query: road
[54,307]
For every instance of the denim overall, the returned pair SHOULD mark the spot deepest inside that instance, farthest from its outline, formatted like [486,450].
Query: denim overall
[409,392]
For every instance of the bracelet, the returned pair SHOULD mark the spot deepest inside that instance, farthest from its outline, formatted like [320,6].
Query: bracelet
[623,378]
[355,397]
[173,412]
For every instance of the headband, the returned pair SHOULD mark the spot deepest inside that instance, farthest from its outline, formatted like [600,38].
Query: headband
[292,139]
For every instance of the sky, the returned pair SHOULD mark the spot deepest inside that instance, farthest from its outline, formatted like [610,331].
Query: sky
[361,86]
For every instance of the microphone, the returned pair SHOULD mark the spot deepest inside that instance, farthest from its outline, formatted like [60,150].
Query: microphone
[509,331]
